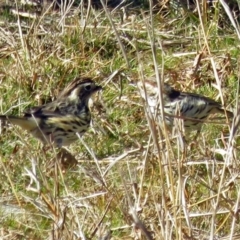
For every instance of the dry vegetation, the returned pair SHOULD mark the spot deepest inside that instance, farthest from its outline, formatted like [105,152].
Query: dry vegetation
[131,182]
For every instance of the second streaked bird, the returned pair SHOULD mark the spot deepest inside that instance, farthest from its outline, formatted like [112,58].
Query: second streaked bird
[193,109]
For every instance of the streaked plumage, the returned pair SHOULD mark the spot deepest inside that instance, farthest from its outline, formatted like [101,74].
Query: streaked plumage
[60,120]
[193,108]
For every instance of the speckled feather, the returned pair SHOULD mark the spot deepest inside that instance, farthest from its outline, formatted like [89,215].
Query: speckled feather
[60,120]
[193,108]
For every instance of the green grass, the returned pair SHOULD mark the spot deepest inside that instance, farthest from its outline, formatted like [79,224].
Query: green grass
[169,186]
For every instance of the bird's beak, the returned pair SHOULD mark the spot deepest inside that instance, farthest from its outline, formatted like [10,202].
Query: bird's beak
[98,88]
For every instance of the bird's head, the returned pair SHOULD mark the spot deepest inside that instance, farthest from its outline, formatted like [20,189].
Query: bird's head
[80,90]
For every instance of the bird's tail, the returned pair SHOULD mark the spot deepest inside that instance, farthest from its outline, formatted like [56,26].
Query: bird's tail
[25,123]
[228,113]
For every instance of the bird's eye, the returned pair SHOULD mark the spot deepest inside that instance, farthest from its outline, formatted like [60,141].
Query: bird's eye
[88,87]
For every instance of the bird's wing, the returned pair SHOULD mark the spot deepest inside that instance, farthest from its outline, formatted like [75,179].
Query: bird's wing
[45,111]
[202,98]
[203,101]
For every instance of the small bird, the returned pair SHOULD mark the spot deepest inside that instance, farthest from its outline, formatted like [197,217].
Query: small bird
[58,121]
[193,109]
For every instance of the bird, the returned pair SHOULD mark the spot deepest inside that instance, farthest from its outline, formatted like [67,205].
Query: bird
[59,121]
[194,109]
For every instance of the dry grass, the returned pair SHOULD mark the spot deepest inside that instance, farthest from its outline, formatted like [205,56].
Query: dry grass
[132,180]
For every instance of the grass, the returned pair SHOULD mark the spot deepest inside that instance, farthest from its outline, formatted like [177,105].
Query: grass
[130,182]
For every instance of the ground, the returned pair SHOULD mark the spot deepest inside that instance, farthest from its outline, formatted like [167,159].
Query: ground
[132,180]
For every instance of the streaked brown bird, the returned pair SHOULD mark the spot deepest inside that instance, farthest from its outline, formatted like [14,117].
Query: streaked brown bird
[58,121]
[193,108]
